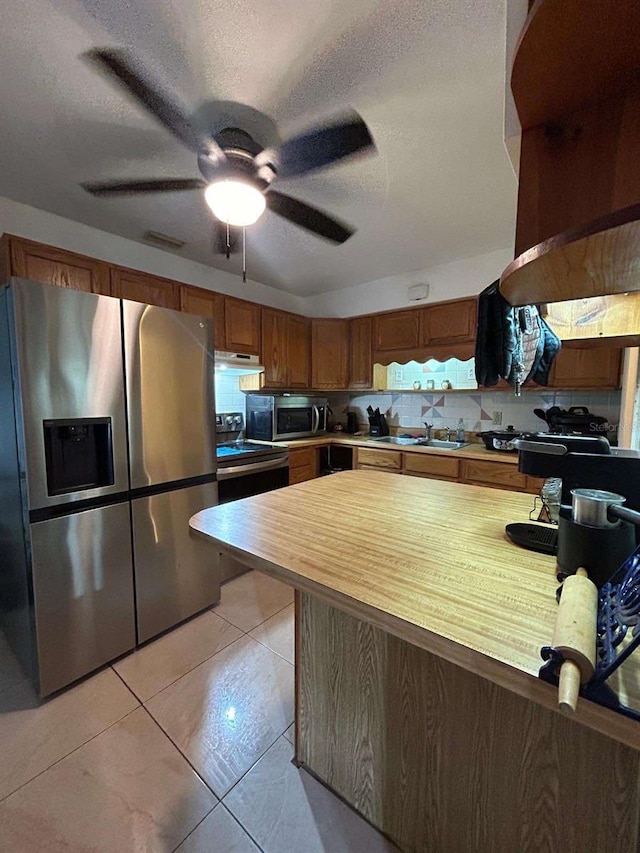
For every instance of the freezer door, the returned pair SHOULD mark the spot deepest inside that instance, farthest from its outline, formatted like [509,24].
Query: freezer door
[67,354]
[83,591]
[169,378]
[176,572]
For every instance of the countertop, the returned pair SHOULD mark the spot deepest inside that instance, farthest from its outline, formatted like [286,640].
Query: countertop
[470,451]
[425,560]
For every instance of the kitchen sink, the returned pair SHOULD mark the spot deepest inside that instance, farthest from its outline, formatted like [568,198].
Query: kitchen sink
[420,442]
[437,442]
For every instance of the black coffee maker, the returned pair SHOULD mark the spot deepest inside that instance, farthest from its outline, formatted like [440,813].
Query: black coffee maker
[595,529]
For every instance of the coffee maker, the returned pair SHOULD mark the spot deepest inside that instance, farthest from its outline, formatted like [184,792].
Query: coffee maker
[595,530]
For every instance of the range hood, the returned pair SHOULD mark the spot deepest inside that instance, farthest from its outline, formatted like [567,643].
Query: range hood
[237,364]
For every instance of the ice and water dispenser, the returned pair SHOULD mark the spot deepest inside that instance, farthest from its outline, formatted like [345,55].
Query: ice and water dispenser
[79,454]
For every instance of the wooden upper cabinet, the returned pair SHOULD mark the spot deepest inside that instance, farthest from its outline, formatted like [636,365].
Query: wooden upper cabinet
[206,303]
[360,355]
[449,322]
[142,287]
[597,367]
[397,330]
[242,326]
[26,259]
[274,347]
[329,354]
[298,351]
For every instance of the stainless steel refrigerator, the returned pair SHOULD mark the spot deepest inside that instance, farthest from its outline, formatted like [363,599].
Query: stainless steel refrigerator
[107,447]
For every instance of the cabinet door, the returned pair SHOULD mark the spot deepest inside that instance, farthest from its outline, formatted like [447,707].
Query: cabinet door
[329,354]
[449,321]
[360,357]
[298,351]
[26,259]
[142,287]
[206,303]
[242,326]
[598,367]
[398,330]
[274,348]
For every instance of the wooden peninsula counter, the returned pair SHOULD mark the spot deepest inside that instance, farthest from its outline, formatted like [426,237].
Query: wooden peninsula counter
[418,636]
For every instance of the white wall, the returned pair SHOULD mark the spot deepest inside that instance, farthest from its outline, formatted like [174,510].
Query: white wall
[34,224]
[450,281]
[457,279]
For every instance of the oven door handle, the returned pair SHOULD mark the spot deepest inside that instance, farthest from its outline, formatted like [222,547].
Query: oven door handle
[316,420]
[252,468]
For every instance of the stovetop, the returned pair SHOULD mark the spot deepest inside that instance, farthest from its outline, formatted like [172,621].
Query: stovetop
[239,452]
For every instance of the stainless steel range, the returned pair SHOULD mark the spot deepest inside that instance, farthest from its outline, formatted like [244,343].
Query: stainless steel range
[245,468]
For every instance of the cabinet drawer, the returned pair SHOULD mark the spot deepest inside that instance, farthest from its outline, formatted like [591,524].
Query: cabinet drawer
[379,458]
[431,465]
[305,457]
[299,475]
[377,468]
[493,474]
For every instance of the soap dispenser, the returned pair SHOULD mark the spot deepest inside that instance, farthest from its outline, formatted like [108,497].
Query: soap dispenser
[460,436]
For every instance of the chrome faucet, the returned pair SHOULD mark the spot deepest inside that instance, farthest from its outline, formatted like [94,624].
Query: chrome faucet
[450,433]
[427,430]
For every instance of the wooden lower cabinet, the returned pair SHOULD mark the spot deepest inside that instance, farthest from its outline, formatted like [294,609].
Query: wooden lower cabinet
[443,466]
[33,261]
[496,474]
[438,467]
[373,458]
[142,287]
[303,464]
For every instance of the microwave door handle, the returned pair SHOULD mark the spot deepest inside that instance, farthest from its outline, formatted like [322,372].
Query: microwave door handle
[316,420]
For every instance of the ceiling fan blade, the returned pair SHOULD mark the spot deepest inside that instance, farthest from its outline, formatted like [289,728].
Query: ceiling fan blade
[162,185]
[219,239]
[172,116]
[310,218]
[320,147]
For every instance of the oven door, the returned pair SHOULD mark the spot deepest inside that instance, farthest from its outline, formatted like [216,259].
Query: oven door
[252,478]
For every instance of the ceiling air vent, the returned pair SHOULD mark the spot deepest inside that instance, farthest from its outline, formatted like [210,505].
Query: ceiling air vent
[166,241]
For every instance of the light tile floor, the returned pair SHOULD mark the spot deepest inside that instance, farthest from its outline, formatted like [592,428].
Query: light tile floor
[184,745]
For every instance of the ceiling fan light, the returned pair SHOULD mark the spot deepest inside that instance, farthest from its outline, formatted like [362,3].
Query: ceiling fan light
[235,202]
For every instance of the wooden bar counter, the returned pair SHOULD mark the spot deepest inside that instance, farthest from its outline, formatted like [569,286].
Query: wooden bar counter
[418,636]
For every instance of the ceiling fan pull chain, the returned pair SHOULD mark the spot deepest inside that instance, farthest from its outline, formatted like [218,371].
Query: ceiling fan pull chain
[228,243]
[244,255]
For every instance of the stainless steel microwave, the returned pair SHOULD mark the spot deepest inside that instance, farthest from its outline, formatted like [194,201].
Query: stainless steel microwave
[277,417]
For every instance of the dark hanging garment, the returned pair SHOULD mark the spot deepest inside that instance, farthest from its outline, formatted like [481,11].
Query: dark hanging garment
[515,344]
[495,337]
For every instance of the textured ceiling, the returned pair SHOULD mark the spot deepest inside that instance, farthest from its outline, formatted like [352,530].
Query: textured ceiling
[426,75]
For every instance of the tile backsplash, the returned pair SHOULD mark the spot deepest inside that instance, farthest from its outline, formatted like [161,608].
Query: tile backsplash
[229,397]
[476,408]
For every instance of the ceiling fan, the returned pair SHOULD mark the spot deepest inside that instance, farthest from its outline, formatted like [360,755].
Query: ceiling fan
[237,169]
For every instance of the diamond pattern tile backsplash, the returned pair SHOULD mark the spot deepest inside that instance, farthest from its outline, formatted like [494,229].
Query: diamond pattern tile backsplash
[410,410]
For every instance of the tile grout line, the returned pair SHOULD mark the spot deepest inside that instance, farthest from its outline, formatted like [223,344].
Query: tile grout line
[75,749]
[171,741]
[242,827]
[261,756]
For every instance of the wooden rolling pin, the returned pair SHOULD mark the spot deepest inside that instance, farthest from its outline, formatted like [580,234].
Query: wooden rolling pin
[575,636]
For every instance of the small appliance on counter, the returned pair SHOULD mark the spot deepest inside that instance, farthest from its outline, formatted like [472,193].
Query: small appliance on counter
[352,423]
[501,440]
[377,422]
[577,420]
[582,463]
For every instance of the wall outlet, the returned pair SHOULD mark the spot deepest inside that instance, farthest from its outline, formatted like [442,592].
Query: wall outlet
[497,417]
[398,376]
